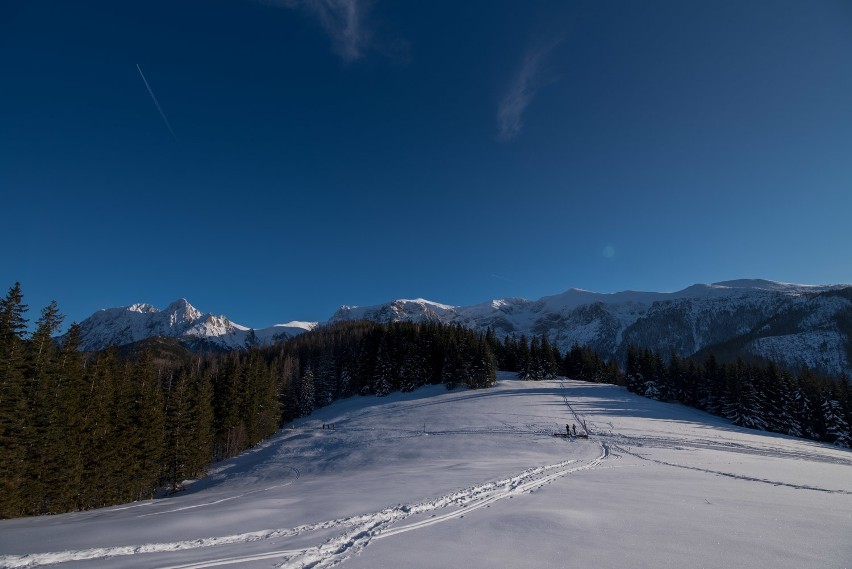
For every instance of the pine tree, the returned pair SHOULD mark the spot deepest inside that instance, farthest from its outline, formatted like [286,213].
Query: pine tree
[677,378]
[306,392]
[711,383]
[412,372]
[231,433]
[633,371]
[453,368]
[807,406]
[383,377]
[41,375]
[13,403]
[524,359]
[508,359]
[836,428]
[99,457]
[147,428]
[63,470]
[189,428]
[661,377]
[483,367]
[325,380]
[742,401]
[288,375]
[200,451]
[549,356]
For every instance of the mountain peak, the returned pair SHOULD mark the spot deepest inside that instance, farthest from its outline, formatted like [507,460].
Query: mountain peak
[142,308]
[181,311]
[180,319]
[179,304]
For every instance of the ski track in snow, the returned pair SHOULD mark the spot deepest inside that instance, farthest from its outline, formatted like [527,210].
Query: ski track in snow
[357,532]
[362,528]
[296,473]
[732,475]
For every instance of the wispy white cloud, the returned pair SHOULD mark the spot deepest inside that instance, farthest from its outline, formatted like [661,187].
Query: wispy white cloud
[525,84]
[345,22]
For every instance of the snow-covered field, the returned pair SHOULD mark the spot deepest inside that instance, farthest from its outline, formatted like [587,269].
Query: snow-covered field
[476,479]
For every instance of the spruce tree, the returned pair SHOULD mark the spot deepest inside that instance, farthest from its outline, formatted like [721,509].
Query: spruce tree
[383,379]
[836,428]
[742,401]
[633,371]
[13,403]
[63,472]
[147,428]
[524,360]
[412,372]
[289,378]
[535,368]
[189,428]
[306,392]
[549,356]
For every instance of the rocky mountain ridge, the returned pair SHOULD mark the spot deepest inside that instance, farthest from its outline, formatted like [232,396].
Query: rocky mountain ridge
[129,324]
[792,324]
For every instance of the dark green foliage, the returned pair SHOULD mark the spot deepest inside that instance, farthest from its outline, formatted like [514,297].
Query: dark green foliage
[533,359]
[79,431]
[189,427]
[755,395]
[13,402]
[306,392]
[370,358]
[586,364]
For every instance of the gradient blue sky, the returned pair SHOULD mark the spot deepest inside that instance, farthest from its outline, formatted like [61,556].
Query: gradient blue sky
[332,152]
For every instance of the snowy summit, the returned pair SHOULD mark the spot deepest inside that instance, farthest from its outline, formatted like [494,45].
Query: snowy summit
[125,325]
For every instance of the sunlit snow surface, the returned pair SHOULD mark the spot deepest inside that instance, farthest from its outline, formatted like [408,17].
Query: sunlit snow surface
[476,479]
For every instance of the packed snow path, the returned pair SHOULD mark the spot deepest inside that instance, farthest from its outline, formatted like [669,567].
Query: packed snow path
[439,478]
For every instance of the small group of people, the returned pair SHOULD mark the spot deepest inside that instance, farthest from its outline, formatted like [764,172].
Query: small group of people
[568,430]
[329,426]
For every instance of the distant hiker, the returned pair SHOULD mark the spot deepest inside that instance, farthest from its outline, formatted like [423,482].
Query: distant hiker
[575,429]
[567,430]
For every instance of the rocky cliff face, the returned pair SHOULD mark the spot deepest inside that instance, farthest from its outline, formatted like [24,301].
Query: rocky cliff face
[792,324]
[121,326]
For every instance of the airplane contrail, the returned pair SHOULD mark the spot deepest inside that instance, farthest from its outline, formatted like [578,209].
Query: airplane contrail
[157,103]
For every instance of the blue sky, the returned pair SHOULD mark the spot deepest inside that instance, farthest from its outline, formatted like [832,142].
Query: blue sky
[330,152]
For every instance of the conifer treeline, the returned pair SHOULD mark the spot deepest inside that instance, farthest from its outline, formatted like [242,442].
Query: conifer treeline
[80,431]
[760,396]
[755,395]
[535,359]
[349,358]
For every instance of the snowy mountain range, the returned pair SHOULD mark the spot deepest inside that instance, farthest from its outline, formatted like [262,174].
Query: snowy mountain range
[789,323]
[125,325]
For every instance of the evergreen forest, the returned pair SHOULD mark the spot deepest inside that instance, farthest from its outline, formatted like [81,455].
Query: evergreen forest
[84,430]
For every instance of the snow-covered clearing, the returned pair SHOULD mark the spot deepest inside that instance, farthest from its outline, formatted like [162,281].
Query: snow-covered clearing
[477,479]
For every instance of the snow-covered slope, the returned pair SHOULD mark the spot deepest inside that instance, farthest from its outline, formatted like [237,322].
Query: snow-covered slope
[476,479]
[791,323]
[119,326]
